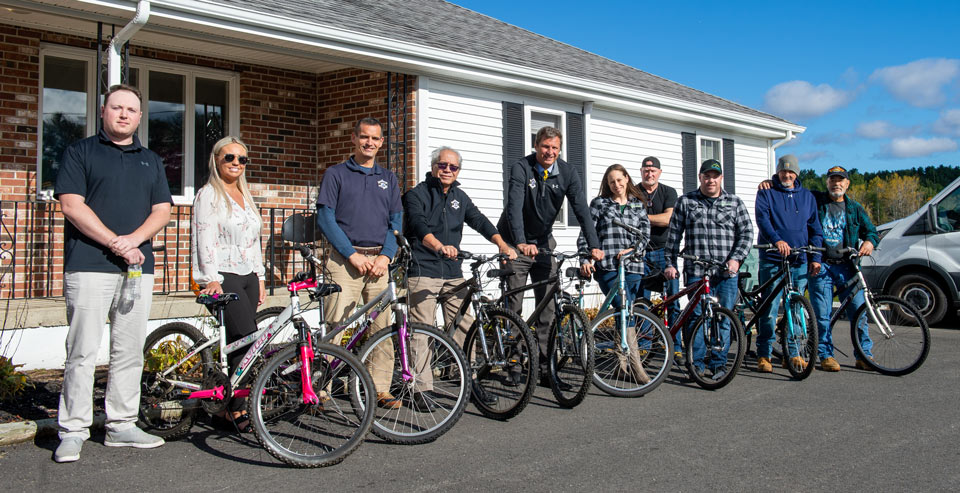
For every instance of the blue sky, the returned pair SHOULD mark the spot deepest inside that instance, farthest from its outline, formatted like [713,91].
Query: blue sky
[877,84]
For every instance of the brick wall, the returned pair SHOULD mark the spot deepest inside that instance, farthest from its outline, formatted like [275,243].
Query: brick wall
[295,123]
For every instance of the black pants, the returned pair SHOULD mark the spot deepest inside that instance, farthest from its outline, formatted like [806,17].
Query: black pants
[239,317]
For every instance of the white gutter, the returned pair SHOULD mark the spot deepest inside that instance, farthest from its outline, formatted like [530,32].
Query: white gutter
[115,55]
[771,161]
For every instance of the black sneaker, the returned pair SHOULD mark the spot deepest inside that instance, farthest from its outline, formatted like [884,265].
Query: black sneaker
[481,395]
[513,377]
[422,402]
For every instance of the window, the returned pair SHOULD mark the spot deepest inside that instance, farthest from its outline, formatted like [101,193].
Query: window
[537,119]
[185,111]
[710,149]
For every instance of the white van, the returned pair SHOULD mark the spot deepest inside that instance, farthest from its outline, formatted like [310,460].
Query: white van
[919,256]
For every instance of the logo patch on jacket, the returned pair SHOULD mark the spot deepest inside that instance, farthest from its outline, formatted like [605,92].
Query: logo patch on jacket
[532,184]
[382,184]
[455,204]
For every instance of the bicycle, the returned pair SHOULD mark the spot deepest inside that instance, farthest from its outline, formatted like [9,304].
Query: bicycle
[293,419]
[796,331]
[721,345]
[898,335]
[424,414]
[628,341]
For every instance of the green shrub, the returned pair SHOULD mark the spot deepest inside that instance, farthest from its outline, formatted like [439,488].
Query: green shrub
[12,382]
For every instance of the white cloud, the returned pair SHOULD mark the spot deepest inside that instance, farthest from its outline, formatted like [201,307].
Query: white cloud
[918,147]
[919,83]
[808,157]
[948,123]
[801,99]
[882,129]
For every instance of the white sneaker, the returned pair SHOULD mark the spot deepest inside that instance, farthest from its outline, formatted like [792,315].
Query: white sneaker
[68,450]
[132,437]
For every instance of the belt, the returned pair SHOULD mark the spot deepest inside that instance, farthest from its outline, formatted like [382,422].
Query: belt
[368,250]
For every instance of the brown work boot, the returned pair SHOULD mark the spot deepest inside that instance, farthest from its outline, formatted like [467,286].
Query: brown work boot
[797,362]
[862,365]
[830,364]
[764,365]
[386,400]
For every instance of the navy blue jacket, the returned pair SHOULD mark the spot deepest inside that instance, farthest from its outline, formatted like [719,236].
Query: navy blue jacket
[428,210]
[788,215]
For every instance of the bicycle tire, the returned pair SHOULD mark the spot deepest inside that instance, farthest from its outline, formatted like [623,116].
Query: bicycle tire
[513,382]
[737,348]
[450,377]
[310,435]
[571,356]
[612,371]
[906,350]
[803,335]
[164,410]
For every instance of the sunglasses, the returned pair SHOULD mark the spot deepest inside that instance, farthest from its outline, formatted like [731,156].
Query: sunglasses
[228,158]
[444,166]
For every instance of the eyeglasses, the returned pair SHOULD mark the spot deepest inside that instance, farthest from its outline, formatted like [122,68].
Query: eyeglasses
[452,167]
[228,158]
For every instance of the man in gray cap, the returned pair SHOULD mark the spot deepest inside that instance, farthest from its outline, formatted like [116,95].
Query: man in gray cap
[787,218]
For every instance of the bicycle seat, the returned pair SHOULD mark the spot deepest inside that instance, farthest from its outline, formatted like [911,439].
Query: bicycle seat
[574,273]
[745,275]
[217,300]
[326,289]
[499,272]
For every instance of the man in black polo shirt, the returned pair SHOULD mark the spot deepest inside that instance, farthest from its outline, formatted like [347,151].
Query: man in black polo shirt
[538,184]
[660,201]
[115,197]
[358,208]
[435,212]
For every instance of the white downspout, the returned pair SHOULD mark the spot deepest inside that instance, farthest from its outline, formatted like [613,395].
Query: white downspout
[114,55]
[771,162]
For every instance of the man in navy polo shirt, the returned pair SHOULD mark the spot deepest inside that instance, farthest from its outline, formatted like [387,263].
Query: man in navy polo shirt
[115,197]
[358,209]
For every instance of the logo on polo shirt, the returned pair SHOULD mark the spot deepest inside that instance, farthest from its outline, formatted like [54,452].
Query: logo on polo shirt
[144,163]
[532,184]
[455,204]
[382,184]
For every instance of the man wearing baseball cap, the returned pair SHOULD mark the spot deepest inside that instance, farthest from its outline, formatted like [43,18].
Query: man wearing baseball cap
[716,226]
[660,201]
[845,225]
[787,218]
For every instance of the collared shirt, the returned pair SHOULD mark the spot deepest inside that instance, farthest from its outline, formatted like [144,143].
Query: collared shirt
[222,240]
[551,170]
[120,184]
[613,238]
[719,231]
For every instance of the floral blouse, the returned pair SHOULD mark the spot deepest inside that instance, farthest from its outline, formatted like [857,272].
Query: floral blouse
[222,243]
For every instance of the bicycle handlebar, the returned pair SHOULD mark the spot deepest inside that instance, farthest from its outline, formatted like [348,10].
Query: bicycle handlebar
[803,249]
[561,255]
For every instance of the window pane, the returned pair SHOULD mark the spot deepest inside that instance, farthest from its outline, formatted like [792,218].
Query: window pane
[64,112]
[166,108]
[210,114]
[538,121]
[709,149]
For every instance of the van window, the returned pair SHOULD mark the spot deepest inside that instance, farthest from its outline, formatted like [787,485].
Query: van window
[948,212]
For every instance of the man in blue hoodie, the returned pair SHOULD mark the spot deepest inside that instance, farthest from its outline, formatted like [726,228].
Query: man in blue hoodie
[787,218]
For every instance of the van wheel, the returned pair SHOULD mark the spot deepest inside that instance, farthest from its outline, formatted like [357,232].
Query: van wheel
[924,293]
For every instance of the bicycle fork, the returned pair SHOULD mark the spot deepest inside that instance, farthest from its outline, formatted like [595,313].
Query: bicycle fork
[306,358]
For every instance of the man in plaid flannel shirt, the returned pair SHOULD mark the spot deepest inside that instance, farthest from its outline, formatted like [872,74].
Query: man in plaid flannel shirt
[717,226]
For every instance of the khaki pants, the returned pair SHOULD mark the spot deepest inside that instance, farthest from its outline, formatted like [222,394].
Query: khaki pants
[92,299]
[355,287]
[425,293]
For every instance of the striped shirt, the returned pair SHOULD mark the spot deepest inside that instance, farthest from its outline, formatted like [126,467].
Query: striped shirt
[614,239]
[720,231]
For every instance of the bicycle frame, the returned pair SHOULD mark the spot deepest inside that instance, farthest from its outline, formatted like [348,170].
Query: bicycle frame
[624,308]
[858,283]
[785,285]
[697,291]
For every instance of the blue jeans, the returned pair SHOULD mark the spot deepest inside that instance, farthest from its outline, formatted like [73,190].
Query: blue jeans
[768,317]
[725,289]
[607,279]
[822,286]
[657,259]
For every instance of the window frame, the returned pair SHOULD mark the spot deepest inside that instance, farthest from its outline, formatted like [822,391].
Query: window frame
[528,111]
[700,158]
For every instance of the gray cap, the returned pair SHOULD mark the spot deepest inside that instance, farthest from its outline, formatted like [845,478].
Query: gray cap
[789,163]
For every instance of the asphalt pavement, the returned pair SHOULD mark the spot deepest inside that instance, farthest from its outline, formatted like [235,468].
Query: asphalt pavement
[846,431]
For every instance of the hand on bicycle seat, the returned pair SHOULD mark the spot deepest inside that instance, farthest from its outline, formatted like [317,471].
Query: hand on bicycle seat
[212,287]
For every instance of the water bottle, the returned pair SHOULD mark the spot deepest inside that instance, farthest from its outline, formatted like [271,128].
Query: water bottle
[130,291]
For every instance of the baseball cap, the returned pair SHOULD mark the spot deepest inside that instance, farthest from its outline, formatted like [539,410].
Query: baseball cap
[837,171]
[711,165]
[788,163]
[650,161]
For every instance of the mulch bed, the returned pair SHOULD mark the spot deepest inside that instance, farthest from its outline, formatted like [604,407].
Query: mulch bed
[43,398]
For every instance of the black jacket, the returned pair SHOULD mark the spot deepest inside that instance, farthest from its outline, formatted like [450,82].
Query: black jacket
[532,205]
[428,210]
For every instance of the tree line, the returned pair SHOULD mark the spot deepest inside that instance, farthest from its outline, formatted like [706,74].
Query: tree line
[890,195]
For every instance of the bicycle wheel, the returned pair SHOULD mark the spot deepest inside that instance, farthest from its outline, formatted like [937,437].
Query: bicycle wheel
[503,382]
[433,398]
[164,409]
[898,352]
[646,362]
[310,435]
[799,338]
[571,357]
[715,344]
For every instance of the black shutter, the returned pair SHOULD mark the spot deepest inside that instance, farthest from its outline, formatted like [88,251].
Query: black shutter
[576,156]
[513,141]
[729,167]
[690,165]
